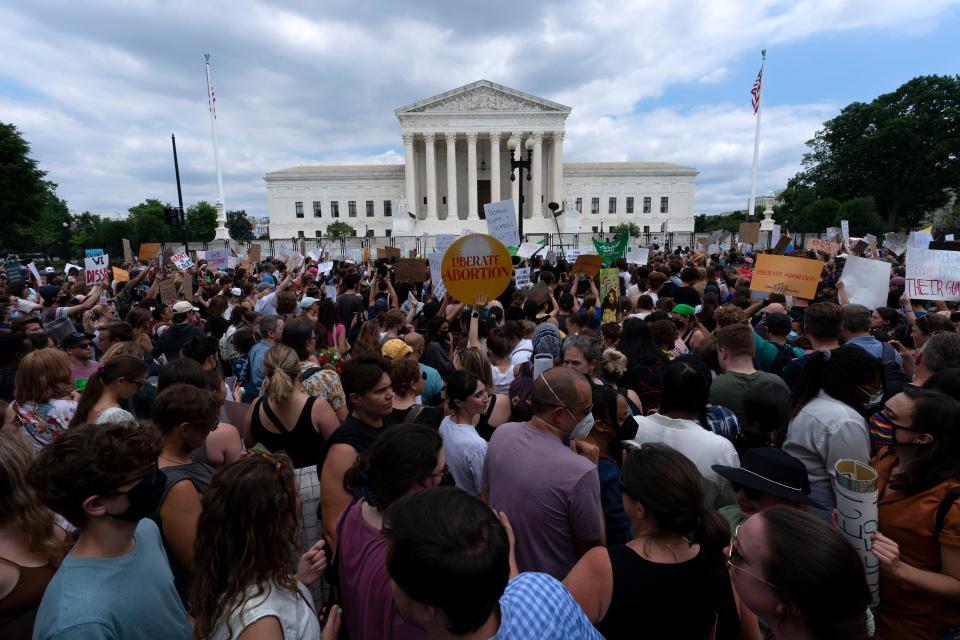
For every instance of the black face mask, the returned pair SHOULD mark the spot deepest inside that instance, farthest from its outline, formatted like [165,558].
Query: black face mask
[145,497]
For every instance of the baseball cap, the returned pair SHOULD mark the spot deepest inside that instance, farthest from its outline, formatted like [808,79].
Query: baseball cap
[75,339]
[183,306]
[236,292]
[263,286]
[778,323]
[308,302]
[395,349]
[49,292]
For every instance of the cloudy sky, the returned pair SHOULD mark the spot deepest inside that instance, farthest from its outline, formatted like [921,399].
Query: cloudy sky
[97,87]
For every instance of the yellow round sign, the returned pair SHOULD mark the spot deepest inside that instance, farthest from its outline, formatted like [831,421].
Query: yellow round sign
[476,263]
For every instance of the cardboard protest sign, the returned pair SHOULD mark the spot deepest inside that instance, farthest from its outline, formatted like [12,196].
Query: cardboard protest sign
[168,291]
[149,251]
[476,264]
[120,275]
[824,246]
[218,258]
[412,270]
[587,265]
[188,287]
[385,253]
[255,252]
[97,269]
[781,244]
[127,251]
[523,276]
[502,222]
[638,255]
[799,275]
[181,261]
[856,489]
[749,232]
[933,274]
[867,281]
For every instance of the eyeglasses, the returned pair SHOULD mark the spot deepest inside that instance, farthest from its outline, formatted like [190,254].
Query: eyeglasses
[733,553]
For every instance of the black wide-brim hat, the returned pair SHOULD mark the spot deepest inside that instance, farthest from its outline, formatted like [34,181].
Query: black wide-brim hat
[771,470]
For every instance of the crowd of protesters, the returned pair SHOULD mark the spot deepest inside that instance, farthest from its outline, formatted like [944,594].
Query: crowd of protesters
[283,452]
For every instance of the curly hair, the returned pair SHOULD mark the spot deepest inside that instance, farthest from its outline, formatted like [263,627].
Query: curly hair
[20,509]
[247,527]
[729,314]
[91,460]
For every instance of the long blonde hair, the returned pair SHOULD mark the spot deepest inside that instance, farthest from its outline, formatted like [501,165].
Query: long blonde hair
[282,372]
[43,374]
[92,316]
[20,508]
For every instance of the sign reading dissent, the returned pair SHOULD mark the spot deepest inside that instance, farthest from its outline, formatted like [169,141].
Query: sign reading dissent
[798,275]
[475,264]
[933,274]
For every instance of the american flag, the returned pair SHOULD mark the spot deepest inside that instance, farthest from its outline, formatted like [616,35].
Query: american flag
[755,91]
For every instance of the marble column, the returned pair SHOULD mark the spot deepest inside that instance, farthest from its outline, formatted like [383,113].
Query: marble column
[472,176]
[536,170]
[558,167]
[410,176]
[495,166]
[515,182]
[452,211]
[428,139]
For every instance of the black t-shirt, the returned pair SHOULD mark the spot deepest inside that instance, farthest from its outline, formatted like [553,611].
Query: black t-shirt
[349,304]
[354,432]
[686,295]
[427,416]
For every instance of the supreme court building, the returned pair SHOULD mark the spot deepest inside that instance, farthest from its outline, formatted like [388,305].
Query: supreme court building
[456,160]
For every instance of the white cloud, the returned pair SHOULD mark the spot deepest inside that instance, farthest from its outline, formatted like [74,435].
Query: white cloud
[98,87]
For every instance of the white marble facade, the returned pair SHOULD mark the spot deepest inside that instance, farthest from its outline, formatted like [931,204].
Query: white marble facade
[456,144]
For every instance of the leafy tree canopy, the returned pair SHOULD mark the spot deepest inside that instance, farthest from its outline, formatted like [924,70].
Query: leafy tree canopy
[240,225]
[340,230]
[201,222]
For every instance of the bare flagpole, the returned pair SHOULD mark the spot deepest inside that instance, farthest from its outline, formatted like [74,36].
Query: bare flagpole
[221,232]
[757,93]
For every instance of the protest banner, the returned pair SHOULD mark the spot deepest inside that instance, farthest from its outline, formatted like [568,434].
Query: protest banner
[609,281]
[294,261]
[412,270]
[587,265]
[14,274]
[127,251]
[120,275]
[856,489]
[218,258]
[168,291]
[475,264]
[824,246]
[775,236]
[149,251]
[895,242]
[749,232]
[611,250]
[324,267]
[638,255]
[528,249]
[834,234]
[385,253]
[34,272]
[523,277]
[502,222]
[89,253]
[799,275]
[933,274]
[97,269]
[919,240]
[845,232]
[867,281]
[572,254]
[255,252]
[181,261]
[314,254]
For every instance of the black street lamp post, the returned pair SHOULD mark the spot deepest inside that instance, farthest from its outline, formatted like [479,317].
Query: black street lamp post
[520,165]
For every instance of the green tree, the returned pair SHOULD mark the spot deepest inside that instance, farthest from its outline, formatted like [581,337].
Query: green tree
[627,227]
[146,221]
[339,230]
[240,225]
[861,214]
[730,222]
[901,148]
[201,221]
[23,187]
[816,216]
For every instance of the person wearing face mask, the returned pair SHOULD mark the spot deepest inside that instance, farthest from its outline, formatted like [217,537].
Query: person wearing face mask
[611,423]
[918,542]
[116,581]
[836,390]
[556,516]
[185,415]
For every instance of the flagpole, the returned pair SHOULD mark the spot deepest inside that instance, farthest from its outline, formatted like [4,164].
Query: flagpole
[756,142]
[221,233]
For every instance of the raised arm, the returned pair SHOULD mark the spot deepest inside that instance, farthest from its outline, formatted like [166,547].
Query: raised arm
[473,339]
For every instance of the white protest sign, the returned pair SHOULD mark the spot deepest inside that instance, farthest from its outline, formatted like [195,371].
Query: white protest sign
[572,254]
[775,235]
[523,276]
[933,274]
[919,239]
[314,255]
[69,266]
[867,281]
[948,237]
[97,269]
[502,222]
[856,489]
[527,249]
[325,267]
[200,255]
[218,258]
[444,240]
[845,232]
[638,255]
[181,261]
[34,272]
[896,242]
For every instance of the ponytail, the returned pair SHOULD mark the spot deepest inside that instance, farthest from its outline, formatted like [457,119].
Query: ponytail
[282,372]
[121,366]
[712,532]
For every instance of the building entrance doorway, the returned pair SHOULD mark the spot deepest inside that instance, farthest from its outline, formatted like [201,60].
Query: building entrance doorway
[483,196]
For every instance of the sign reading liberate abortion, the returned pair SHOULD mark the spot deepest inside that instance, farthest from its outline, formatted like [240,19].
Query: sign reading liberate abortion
[476,264]
[798,275]
[933,274]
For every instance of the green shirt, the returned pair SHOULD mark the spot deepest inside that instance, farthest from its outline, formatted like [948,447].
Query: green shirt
[729,388]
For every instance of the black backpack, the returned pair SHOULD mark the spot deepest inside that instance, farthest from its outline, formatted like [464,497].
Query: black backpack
[785,355]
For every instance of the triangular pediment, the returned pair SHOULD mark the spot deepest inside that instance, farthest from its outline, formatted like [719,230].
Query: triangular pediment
[483,96]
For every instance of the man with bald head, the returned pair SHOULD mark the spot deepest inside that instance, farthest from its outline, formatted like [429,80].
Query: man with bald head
[550,490]
[433,383]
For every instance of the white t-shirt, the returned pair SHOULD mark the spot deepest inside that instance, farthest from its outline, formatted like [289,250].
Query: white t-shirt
[523,352]
[501,380]
[465,452]
[294,612]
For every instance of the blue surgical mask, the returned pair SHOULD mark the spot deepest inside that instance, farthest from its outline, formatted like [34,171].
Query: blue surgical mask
[793,335]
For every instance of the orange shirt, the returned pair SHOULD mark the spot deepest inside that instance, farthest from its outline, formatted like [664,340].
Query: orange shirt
[910,521]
